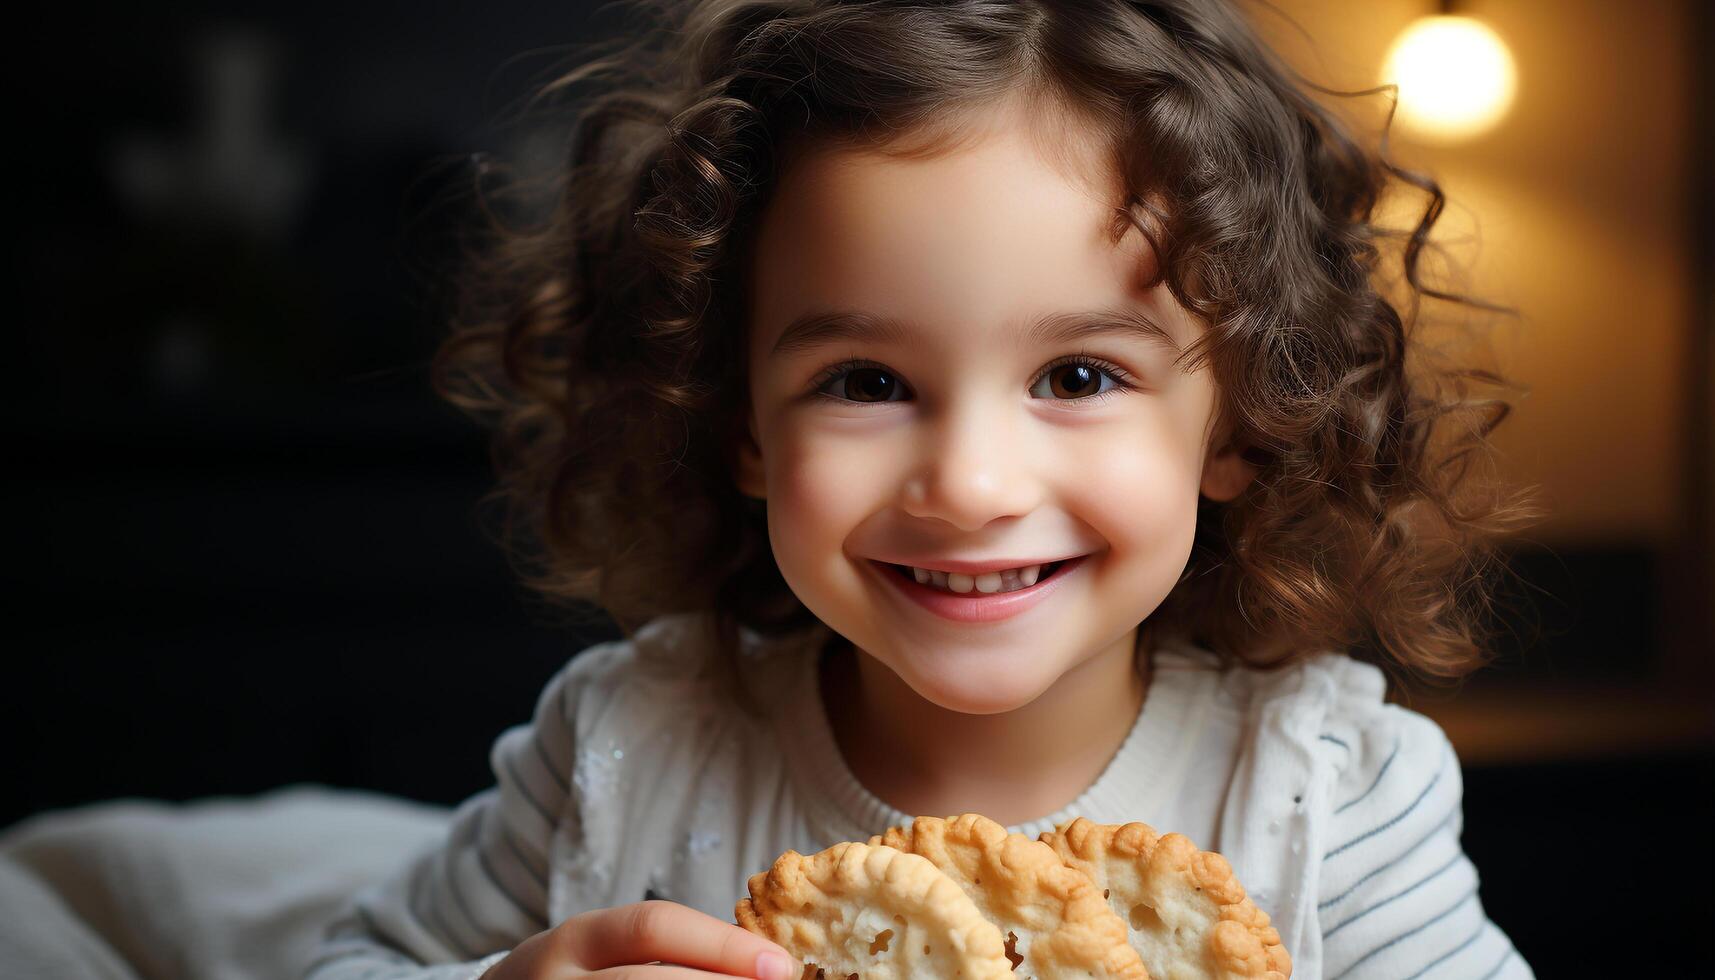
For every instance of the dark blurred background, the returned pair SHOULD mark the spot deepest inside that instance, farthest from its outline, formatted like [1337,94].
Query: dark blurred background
[251,545]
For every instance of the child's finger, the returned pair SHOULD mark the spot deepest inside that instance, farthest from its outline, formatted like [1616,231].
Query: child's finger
[656,971]
[645,932]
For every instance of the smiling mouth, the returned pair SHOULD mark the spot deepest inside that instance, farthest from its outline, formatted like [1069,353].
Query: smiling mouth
[904,571]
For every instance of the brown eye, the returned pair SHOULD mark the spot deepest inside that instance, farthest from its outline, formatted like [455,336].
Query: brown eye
[1074,380]
[868,384]
[1081,380]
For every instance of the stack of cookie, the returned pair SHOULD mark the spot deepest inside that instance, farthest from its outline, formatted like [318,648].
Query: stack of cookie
[961,897]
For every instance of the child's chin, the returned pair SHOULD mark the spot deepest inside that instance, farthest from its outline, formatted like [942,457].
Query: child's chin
[997,692]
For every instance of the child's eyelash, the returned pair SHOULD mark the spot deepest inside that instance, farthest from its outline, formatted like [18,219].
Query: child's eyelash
[1122,381]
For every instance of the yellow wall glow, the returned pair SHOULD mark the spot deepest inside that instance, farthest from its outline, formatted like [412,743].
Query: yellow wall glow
[1575,211]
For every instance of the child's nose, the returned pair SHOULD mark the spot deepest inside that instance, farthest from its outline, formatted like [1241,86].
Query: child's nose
[970,469]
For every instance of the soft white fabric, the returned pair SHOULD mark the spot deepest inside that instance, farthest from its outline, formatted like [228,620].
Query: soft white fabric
[635,778]
[225,887]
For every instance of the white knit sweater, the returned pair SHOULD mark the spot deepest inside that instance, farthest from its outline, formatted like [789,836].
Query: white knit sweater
[1339,813]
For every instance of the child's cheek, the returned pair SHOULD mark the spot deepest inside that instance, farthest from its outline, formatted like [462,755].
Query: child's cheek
[1143,492]
[1138,495]
[820,489]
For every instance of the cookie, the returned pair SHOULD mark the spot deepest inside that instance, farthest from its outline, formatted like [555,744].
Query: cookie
[1184,911]
[873,912]
[1056,922]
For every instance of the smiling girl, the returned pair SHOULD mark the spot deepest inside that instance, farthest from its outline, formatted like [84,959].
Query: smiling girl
[972,406]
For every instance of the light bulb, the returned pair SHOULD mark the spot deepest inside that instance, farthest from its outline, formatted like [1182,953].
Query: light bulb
[1455,76]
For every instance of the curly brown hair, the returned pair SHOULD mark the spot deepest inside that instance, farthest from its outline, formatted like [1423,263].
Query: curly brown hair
[607,339]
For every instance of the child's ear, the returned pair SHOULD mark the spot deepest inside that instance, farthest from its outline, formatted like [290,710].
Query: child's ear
[748,473]
[1226,472]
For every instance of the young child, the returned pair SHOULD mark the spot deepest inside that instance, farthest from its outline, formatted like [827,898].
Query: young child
[970,406]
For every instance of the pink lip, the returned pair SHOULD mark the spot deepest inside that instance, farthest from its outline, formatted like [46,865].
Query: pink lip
[978,607]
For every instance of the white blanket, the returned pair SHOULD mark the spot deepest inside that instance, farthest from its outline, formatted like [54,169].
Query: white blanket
[236,888]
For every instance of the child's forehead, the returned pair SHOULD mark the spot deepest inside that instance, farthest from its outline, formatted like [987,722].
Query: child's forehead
[989,228]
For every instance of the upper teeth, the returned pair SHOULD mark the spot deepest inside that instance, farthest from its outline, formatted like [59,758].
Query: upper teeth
[1005,580]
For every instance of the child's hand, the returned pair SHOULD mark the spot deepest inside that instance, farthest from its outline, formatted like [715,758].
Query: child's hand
[627,941]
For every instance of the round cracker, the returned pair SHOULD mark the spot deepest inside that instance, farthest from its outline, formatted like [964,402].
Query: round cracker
[1184,910]
[872,911]
[1056,922]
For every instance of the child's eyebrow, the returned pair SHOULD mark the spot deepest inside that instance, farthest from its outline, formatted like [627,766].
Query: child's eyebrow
[819,328]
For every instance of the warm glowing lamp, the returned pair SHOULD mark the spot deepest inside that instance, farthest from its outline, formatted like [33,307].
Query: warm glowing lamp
[1455,76]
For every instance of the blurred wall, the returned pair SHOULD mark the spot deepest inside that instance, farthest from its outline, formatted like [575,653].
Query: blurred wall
[1574,210]
[1582,211]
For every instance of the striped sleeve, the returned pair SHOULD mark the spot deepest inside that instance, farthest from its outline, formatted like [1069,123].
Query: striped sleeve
[459,905]
[1398,897]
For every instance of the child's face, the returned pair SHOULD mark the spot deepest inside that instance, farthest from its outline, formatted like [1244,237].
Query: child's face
[960,446]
